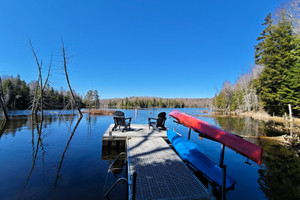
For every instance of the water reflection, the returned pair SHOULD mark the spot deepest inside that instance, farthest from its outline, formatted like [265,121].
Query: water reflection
[14,125]
[114,153]
[53,161]
[35,152]
[3,124]
[66,148]
[247,126]
[280,173]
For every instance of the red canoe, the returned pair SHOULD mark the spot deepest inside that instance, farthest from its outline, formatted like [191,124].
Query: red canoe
[248,149]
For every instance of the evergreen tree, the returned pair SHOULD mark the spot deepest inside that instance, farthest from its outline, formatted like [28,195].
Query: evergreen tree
[260,48]
[278,51]
[96,99]
[89,98]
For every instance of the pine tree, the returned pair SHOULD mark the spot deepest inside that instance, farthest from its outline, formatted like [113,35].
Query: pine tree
[277,51]
[259,49]
[96,99]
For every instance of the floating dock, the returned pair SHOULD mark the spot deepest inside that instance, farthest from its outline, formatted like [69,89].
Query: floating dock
[161,174]
[135,130]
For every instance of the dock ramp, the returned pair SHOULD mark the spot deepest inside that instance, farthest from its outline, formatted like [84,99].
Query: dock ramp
[161,174]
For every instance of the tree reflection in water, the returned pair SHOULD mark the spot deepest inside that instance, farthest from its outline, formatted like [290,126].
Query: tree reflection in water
[66,148]
[280,172]
[279,175]
[3,124]
[247,126]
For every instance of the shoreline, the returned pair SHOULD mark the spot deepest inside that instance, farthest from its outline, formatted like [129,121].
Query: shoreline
[286,139]
[255,115]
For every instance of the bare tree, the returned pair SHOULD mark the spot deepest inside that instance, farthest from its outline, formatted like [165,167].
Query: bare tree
[291,10]
[244,84]
[2,102]
[39,101]
[67,77]
[228,92]
[256,71]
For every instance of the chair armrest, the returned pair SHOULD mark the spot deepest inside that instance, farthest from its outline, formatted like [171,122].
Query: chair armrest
[149,119]
[128,118]
[152,118]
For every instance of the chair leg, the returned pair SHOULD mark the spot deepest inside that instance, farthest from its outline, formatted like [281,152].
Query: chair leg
[156,128]
[125,127]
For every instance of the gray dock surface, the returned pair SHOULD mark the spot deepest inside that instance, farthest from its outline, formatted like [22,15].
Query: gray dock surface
[136,130]
[161,174]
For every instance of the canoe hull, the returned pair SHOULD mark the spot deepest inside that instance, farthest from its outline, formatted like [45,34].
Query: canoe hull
[190,152]
[244,147]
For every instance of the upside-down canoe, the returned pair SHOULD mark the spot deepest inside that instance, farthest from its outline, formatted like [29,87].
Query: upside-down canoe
[244,147]
[190,152]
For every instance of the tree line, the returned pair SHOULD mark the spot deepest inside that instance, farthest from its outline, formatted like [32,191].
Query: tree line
[274,81]
[18,95]
[156,102]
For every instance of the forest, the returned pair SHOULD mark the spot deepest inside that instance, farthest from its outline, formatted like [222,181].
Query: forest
[274,81]
[157,102]
[18,95]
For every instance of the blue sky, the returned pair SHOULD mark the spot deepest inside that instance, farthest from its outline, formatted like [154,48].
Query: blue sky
[134,48]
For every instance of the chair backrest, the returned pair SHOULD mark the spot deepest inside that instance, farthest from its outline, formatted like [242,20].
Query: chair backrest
[161,118]
[119,118]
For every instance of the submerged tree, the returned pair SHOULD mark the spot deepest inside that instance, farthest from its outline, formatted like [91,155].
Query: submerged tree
[67,78]
[2,102]
[38,101]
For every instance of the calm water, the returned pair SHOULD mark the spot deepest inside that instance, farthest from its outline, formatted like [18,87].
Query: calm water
[59,163]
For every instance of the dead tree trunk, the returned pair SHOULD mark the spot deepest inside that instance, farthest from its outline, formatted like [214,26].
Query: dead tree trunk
[2,102]
[67,77]
[40,101]
[34,101]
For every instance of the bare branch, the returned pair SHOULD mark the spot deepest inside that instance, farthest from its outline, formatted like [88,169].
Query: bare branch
[67,77]
[2,101]
[48,75]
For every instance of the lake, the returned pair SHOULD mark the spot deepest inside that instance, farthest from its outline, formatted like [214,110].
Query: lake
[59,163]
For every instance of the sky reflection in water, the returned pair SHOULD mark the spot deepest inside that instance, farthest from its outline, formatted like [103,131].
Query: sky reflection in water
[58,165]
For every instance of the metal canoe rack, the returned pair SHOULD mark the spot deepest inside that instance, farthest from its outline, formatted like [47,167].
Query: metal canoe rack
[221,162]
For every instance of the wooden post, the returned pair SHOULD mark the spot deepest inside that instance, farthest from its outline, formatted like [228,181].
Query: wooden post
[291,119]
[290,112]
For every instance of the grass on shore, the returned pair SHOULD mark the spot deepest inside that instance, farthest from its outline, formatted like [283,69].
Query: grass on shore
[264,116]
[255,115]
[99,112]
